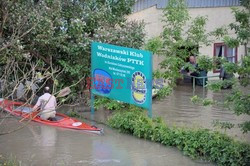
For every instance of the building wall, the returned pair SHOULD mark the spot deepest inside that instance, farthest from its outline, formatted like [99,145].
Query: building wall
[217,17]
[144,4]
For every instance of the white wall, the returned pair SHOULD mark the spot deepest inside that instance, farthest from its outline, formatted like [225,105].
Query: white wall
[217,17]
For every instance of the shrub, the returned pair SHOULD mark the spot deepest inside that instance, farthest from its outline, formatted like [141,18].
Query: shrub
[196,143]
[205,63]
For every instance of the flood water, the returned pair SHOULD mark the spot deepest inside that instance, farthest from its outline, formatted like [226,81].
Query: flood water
[178,110]
[39,144]
[45,145]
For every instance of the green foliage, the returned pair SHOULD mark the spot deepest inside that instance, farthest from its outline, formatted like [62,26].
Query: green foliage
[220,32]
[190,67]
[230,67]
[175,16]
[245,126]
[205,102]
[172,64]
[109,104]
[10,161]
[205,63]
[245,3]
[154,45]
[157,74]
[242,25]
[128,34]
[244,71]
[228,83]
[196,143]
[61,32]
[164,91]
[197,32]
[218,62]
[196,100]
[223,125]
[217,85]
[230,41]
[177,44]
[239,102]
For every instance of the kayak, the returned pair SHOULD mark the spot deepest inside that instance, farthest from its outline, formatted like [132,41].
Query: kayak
[25,111]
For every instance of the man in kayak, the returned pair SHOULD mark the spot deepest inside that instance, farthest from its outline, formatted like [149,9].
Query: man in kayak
[47,104]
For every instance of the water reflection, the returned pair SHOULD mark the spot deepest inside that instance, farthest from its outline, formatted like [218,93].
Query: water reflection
[46,137]
[42,145]
[46,145]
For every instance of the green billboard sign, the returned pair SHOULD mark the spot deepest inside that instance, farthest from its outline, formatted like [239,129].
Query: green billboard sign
[122,73]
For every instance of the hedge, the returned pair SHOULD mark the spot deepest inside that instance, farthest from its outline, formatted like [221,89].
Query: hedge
[196,143]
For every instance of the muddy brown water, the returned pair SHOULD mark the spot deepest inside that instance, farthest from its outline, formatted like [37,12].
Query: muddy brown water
[178,110]
[43,145]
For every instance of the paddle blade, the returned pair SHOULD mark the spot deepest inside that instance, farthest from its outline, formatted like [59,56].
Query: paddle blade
[64,92]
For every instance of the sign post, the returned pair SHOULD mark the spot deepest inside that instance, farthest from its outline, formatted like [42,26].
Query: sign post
[122,74]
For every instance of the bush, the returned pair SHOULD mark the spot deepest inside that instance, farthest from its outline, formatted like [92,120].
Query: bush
[199,143]
[154,45]
[205,63]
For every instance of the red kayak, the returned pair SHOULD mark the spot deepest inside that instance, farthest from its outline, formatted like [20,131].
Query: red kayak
[23,110]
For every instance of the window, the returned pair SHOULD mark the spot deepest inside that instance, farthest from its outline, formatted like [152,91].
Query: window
[221,50]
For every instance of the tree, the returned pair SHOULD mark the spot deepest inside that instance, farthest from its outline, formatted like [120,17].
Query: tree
[178,44]
[241,26]
[60,32]
[181,38]
[49,41]
[238,100]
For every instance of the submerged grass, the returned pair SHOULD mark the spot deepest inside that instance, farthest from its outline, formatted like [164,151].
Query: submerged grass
[195,143]
[10,161]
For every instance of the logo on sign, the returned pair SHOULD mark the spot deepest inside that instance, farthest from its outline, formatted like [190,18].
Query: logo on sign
[138,87]
[102,81]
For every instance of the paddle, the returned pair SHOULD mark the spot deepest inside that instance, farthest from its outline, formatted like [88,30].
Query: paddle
[61,93]
[64,92]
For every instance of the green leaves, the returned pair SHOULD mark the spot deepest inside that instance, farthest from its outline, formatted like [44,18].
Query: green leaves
[176,13]
[196,143]
[244,71]
[223,125]
[154,45]
[230,67]
[179,40]
[163,92]
[242,25]
[231,42]
[199,101]
[205,63]
[239,102]
[197,31]
[110,104]
[61,31]
[129,34]
[217,85]
[220,32]
[245,127]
